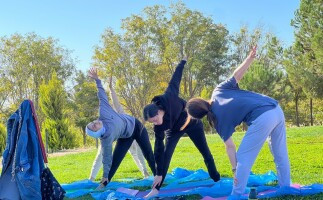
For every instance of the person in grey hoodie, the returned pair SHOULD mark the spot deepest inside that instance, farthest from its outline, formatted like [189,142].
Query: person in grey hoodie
[112,126]
[134,149]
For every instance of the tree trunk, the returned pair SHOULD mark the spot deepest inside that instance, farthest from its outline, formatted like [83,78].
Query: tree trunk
[296,108]
[190,86]
[185,85]
[84,137]
[311,108]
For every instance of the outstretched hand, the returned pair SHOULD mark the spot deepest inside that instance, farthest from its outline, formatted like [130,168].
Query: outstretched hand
[93,73]
[104,182]
[253,52]
[157,181]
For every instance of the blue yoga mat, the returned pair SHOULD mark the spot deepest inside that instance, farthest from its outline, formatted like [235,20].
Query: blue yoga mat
[187,182]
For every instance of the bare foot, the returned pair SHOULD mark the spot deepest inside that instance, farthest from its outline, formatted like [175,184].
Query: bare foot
[152,193]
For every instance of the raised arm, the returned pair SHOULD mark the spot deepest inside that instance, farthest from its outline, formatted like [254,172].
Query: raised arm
[243,67]
[115,100]
[174,83]
[105,107]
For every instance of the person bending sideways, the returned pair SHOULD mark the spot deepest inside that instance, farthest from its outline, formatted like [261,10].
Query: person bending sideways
[134,149]
[167,113]
[227,108]
[112,126]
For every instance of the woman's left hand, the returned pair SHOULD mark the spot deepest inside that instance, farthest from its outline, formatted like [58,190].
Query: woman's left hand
[93,73]
[104,182]
[157,181]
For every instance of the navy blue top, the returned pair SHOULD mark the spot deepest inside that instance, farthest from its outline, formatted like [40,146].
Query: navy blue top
[231,106]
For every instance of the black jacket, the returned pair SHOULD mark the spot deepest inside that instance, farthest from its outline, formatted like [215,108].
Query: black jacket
[174,117]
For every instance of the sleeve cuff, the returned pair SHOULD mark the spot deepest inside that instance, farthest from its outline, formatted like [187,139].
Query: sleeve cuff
[98,81]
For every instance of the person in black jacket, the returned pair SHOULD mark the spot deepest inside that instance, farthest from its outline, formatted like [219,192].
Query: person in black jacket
[167,113]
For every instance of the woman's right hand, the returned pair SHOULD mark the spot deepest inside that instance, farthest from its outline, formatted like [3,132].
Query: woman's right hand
[253,52]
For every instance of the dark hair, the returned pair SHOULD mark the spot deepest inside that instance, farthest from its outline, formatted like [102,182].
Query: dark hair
[150,110]
[198,108]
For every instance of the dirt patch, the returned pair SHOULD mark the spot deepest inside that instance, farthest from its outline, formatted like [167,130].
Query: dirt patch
[64,152]
[69,151]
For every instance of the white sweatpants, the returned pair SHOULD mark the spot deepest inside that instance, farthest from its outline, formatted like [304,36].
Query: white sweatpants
[270,124]
[136,154]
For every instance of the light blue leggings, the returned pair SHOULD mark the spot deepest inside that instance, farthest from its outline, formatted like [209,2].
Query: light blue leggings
[270,124]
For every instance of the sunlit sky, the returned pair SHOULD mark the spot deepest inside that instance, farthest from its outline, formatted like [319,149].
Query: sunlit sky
[78,24]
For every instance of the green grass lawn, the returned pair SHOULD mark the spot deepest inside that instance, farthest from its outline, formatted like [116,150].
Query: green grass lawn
[304,146]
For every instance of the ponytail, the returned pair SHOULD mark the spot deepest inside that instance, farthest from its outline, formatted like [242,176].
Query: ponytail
[198,108]
[211,118]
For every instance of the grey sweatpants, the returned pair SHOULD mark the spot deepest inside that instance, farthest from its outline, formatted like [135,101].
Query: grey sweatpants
[270,124]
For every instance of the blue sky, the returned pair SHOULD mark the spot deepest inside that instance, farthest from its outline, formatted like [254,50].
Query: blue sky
[78,24]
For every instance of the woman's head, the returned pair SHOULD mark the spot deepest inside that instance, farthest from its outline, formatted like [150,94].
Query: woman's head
[198,108]
[153,114]
[95,129]
[95,125]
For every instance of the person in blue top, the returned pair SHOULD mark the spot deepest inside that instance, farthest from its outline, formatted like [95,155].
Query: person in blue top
[228,107]
[167,113]
[112,126]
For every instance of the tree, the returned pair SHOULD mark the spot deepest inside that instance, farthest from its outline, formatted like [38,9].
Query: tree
[266,75]
[204,42]
[242,42]
[26,61]
[294,74]
[53,99]
[307,48]
[3,136]
[145,56]
[84,105]
[4,95]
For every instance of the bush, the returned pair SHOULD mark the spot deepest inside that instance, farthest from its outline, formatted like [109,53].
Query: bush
[3,136]
[61,135]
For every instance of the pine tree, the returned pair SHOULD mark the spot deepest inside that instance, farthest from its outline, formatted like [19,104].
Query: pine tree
[52,102]
[307,48]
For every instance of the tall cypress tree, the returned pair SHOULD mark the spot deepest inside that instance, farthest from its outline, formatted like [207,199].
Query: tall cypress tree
[52,101]
[307,48]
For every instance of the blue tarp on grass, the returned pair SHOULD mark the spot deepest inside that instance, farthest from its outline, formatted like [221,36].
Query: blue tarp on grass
[186,182]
